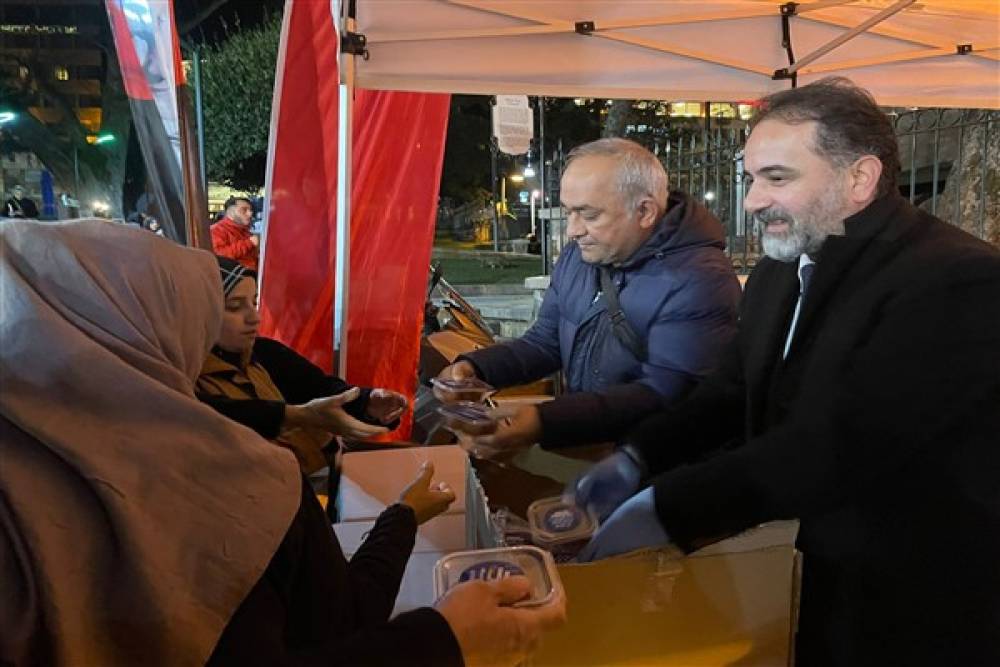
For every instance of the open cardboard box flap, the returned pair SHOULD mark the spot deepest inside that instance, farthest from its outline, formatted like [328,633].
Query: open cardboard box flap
[733,603]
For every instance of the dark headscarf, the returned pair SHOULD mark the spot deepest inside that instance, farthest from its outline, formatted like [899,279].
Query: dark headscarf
[232,272]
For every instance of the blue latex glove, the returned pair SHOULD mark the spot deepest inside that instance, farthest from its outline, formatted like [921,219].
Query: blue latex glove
[634,525]
[606,485]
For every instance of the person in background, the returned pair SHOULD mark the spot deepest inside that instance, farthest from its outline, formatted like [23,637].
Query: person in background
[139,526]
[231,236]
[19,205]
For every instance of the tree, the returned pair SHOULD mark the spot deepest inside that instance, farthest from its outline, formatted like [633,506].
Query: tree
[617,118]
[466,172]
[971,195]
[237,82]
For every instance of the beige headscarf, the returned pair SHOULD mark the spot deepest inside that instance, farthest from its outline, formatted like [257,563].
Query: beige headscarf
[134,520]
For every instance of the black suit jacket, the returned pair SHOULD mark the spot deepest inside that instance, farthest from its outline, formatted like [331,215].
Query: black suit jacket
[880,432]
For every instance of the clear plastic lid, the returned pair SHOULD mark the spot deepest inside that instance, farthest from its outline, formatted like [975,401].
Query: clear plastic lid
[554,522]
[468,417]
[494,564]
[469,389]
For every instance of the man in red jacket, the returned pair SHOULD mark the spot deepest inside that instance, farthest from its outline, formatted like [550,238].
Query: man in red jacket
[231,235]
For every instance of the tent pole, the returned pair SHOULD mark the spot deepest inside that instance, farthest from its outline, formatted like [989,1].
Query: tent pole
[849,35]
[543,223]
[496,202]
[199,115]
[342,268]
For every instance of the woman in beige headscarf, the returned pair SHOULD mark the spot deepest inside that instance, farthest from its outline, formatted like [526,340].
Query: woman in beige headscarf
[129,536]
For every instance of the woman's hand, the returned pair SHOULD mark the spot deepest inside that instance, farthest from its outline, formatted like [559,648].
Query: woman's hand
[385,406]
[328,414]
[425,499]
[492,632]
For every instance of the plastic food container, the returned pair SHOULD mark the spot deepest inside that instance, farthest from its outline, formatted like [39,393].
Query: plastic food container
[470,389]
[559,527]
[512,530]
[468,417]
[494,564]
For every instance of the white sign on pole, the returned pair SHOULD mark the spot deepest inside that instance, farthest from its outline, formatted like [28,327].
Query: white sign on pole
[513,124]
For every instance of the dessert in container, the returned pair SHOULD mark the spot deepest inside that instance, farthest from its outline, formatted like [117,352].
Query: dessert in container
[494,564]
[559,527]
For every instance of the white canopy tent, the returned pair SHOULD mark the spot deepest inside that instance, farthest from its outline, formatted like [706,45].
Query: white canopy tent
[930,53]
[907,52]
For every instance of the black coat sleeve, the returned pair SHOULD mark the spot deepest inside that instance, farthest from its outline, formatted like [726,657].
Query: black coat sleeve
[312,608]
[920,394]
[264,417]
[300,381]
[596,417]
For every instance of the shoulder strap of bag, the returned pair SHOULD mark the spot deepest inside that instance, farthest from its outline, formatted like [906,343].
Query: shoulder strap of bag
[619,325]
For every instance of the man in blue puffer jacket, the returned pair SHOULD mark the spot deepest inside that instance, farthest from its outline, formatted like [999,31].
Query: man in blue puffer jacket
[676,288]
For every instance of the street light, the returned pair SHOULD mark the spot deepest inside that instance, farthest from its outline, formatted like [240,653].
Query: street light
[7,116]
[98,139]
[529,172]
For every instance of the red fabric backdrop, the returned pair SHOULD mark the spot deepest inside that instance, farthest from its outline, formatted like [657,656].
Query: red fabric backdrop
[397,156]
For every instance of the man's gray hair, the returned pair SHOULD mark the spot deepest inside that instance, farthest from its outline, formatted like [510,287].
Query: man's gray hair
[639,173]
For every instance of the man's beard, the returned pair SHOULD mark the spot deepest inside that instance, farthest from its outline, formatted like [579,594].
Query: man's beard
[805,234]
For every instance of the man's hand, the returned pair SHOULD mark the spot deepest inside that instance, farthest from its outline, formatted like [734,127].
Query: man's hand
[385,406]
[255,240]
[517,428]
[426,500]
[490,631]
[606,485]
[328,414]
[634,525]
[460,370]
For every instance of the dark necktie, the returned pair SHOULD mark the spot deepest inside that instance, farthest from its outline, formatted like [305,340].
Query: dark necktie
[805,276]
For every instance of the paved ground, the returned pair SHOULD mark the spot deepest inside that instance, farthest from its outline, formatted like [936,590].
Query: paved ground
[504,307]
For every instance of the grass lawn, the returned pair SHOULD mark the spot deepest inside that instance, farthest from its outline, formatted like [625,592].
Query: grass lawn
[475,272]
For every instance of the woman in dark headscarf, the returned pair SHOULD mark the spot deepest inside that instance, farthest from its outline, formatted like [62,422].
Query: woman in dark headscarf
[129,536]
[267,386]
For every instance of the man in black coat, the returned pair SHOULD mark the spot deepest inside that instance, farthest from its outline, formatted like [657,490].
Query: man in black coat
[862,397]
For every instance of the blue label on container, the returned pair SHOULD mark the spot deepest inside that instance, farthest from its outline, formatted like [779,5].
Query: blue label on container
[491,570]
[561,519]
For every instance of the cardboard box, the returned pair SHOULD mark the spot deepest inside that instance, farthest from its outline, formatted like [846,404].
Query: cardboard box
[372,480]
[734,603]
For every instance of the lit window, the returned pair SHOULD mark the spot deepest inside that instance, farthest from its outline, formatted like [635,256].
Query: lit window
[722,110]
[61,73]
[23,72]
[746,111]
[686,109]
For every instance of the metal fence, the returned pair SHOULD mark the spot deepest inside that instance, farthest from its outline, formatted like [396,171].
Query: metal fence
[708,165]
[950,166]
